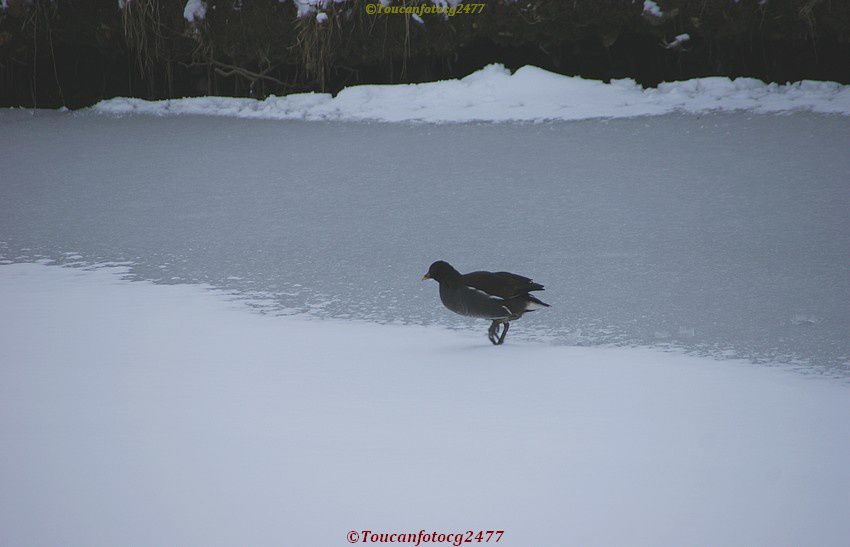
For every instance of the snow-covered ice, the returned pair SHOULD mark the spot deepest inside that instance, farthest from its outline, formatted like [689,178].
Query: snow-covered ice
[529,94]
[135,413]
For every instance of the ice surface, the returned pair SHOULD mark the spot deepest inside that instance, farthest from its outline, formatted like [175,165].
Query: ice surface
[718,232]
[529,94]
[134,414]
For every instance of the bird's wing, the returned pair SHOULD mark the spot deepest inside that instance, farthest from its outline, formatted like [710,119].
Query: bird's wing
[525,282]
[478,303]
[502,284]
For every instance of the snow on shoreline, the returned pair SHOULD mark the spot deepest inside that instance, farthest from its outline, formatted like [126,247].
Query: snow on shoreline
[494,94]
[164,414]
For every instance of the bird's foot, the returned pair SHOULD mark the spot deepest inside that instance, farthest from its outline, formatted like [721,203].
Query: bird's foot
[504,333]
[492,333]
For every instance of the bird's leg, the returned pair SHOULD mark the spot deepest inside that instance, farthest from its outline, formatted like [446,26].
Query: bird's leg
[491,332]
[504,333]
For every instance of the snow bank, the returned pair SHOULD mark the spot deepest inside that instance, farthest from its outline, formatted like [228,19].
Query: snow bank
[494,94]
[133,413]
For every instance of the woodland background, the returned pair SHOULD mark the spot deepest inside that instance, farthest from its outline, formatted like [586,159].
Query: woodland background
[76,52]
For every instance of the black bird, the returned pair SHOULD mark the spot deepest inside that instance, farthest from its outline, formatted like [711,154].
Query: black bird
[498,296]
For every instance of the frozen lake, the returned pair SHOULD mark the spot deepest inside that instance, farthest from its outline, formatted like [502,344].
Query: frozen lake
[725,234]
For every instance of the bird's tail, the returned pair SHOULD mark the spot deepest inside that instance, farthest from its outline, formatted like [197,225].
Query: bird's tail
[534,303]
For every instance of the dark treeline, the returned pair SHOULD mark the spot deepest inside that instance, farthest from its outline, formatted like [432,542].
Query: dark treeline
[76,52]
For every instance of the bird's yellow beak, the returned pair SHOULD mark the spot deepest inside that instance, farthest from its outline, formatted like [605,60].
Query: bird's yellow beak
[426,277]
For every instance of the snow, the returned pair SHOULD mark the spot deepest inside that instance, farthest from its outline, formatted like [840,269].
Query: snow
[678,41]
[529,94]
[308,7]
[195,11]
[169,414]
[652,8]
